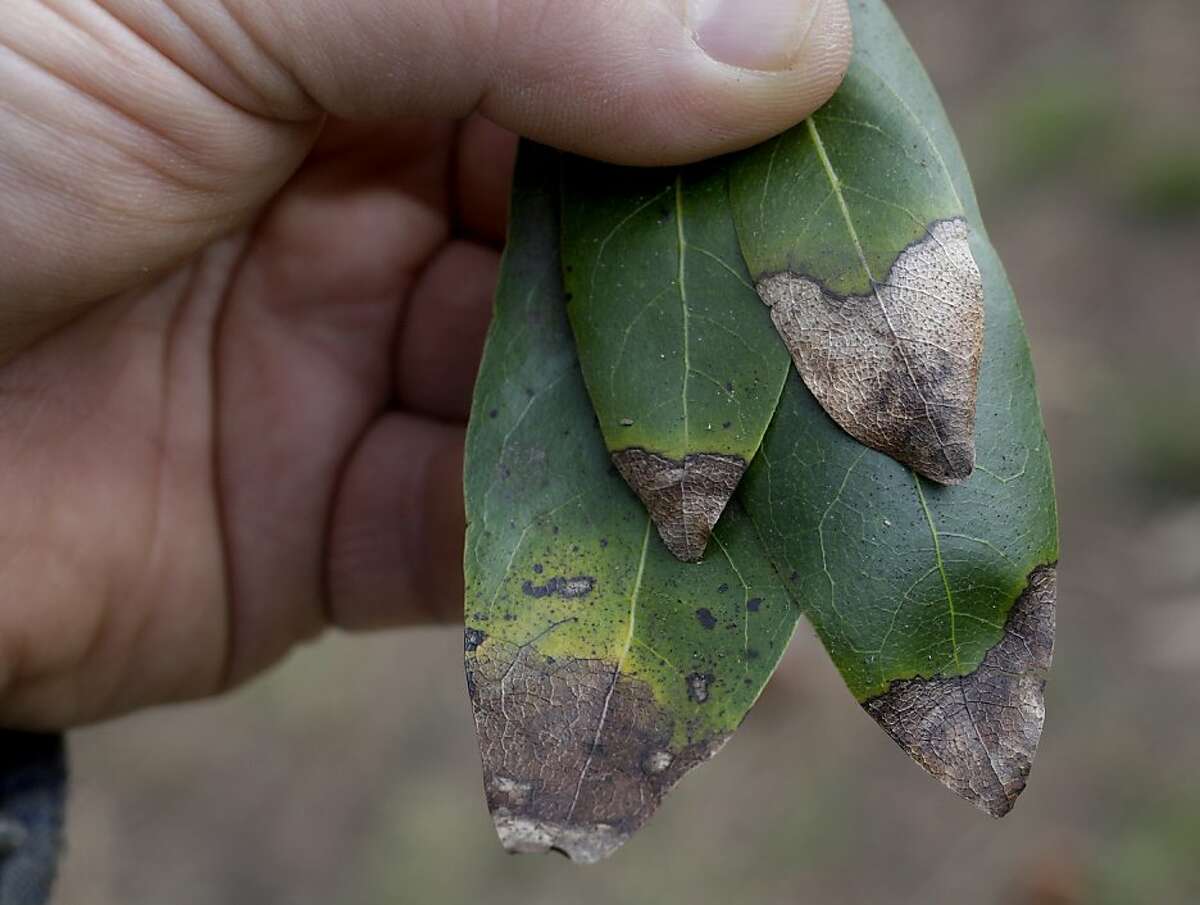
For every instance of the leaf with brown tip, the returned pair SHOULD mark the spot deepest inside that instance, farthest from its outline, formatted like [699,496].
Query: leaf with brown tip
[897,368]
[977,733]
[857,238]
[936,603]
[601,669]
[680,360]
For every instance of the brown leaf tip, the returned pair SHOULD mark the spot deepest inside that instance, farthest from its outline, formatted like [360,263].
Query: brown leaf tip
[684,498]
[576,755]
[898,368]
[583,845]
[978,733]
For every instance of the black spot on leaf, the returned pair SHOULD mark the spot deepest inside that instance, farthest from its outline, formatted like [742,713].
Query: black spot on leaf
[561,586]
[697,686]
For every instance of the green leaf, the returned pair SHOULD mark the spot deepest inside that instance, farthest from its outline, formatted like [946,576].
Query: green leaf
[856,235]
[600,667]
[936,603]
[677,351]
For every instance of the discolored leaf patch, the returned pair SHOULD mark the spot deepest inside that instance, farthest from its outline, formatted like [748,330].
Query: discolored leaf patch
[576,754]
[560,586]
[684,498]
[977,733]
[856,234]
[679,357]
[897,368]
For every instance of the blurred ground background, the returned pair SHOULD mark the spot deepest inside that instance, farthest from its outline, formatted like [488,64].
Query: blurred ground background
[350,775]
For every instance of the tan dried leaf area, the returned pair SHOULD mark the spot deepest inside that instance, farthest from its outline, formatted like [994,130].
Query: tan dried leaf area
[978,733]
[684,498]
[576,754]
[898,368]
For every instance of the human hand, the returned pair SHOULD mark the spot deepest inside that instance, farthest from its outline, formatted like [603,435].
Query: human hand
[247,253]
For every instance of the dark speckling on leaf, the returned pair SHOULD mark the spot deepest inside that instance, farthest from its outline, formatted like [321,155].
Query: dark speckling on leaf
[580,746]
[697,686]
[560,586]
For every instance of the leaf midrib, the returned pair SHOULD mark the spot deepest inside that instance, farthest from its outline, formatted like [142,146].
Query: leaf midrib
[687,362]
[612,686]
[941,567]
[836,184]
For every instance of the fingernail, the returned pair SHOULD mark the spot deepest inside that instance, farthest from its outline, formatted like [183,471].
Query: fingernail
[752,34]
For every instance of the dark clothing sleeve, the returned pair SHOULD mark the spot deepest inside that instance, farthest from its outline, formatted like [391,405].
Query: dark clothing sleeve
[33,780]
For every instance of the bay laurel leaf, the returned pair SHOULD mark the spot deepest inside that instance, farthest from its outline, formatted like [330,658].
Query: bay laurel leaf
[857,238]
[677,352]
[600,667]
[895,487]
[935,602]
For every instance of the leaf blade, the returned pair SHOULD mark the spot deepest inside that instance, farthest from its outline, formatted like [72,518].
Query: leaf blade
[926,596]
[658,294]
[600,668]
[913,586]
[864,260]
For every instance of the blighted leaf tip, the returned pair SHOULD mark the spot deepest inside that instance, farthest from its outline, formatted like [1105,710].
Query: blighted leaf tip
[684,497]
[898,367]
[978,733]
[582,844]
[576,754]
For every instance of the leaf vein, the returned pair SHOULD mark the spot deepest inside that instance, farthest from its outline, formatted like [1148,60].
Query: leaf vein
[937,553]
[612,685]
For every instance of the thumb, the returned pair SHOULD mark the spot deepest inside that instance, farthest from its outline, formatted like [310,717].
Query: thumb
[135,133]
[631,81]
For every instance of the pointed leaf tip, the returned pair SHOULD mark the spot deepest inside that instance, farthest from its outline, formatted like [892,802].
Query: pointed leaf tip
[574,627]
[684,498]
[677,351]
[898,368]
[577,755]
[978,733]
